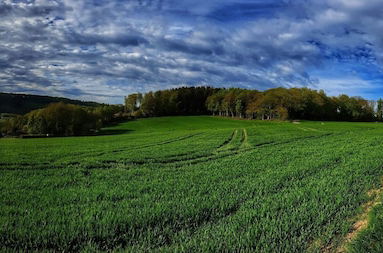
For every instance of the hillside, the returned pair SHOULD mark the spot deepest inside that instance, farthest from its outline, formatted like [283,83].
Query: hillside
[23,103]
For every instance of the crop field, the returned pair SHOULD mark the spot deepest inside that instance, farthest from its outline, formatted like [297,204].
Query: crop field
[196,184]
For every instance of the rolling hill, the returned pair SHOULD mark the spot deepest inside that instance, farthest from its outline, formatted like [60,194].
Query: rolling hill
[23,103]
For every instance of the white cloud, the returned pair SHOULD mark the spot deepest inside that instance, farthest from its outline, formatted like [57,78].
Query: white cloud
[75,46]
[352,86]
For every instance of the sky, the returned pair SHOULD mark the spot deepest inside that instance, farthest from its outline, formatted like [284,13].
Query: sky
[103,50]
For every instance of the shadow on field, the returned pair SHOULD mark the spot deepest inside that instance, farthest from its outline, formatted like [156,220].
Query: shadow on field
[113,132]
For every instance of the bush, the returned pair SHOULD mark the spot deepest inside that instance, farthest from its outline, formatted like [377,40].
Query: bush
[61,119]
[56,119]
[13,126]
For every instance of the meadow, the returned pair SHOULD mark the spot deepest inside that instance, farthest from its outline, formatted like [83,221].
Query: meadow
[195,184]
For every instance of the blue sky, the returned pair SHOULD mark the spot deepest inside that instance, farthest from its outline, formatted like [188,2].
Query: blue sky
[103,50]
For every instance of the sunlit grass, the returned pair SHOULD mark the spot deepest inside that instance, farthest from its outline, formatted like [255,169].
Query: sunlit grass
[189,184]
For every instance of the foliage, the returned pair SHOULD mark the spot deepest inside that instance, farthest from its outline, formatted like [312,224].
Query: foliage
[187,184]
[379,109]
[107,113]
[179,101]
[278,103]
[133,102]
[59,119]
[13,126]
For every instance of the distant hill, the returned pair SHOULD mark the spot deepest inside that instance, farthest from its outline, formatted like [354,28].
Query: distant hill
[24,103]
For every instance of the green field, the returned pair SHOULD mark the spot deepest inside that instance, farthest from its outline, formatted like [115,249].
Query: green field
[187,184]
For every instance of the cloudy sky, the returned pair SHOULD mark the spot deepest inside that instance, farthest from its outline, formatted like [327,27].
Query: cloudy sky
[104,49]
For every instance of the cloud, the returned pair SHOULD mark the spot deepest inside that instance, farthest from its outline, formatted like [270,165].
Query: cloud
[106,49]
[351,86]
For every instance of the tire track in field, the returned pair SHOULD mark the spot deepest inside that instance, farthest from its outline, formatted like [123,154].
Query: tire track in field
[42,165]
[87,154]
[105,163]
[245,139]
[309,129]
[243,147]
[178,162]
[174,161]
[228,140]
[172,140]
[229,148]
[186,155]
[181,161]
[224,148]
[226,145]
[182,156]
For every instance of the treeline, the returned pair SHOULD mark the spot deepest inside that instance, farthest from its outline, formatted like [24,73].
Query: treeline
[178,101]
[60,119]
[278,103]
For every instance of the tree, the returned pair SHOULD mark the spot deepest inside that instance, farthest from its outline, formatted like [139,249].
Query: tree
[277,103]
[61,119]
[149,104]
[239,108]
[14,125]
[379,110]
[107,113]
[133,102]
[213,103]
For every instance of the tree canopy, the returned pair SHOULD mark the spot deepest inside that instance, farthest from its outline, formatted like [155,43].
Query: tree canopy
[60,119]
[277,103]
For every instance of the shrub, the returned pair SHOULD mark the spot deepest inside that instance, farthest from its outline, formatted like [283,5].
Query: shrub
[61,119]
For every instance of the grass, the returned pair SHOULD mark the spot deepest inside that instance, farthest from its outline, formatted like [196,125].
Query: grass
[192,184]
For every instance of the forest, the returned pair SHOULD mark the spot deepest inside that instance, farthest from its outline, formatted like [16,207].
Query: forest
[277,103]
[60,119]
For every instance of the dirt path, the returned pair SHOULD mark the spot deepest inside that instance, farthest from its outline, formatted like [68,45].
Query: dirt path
[360,222]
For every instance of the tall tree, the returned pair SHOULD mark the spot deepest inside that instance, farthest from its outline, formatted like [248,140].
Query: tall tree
[277,103]
[133,102]
[379,110]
